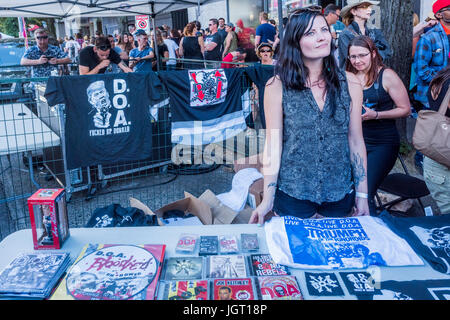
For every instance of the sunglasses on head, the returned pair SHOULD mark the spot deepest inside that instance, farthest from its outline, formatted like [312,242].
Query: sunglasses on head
[104,47]
[313,8]
[41,37]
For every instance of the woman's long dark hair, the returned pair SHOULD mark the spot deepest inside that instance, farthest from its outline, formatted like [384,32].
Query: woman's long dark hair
[439,79]
[290,67]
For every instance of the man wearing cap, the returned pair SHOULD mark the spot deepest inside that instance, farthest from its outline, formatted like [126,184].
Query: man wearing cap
[97,59]
[231,41]
[355,16]
[141,57]
[432,50]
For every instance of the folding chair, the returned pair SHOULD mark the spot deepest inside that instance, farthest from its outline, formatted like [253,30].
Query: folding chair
[404,186]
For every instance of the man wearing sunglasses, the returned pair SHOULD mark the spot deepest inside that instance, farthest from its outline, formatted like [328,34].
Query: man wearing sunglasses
[97,59]
[43,57]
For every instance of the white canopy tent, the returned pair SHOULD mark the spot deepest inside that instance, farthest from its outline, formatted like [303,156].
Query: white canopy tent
[62,9]
[91,8]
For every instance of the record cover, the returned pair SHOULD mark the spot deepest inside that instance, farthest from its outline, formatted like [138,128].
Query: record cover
[233,289]
[186,243]
[228,244]
[33,274]
[279,288]
[186,290]
[209,245]
[113,272]
[227,266]
[249,242]
[263,265]
[183,268]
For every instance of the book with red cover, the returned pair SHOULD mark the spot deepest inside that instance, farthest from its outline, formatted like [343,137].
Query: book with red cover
[113,272]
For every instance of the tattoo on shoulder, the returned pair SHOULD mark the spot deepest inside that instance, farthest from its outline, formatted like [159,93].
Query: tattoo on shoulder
[359,173]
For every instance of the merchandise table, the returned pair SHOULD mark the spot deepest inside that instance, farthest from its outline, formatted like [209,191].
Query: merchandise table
[22,242]
[22,131]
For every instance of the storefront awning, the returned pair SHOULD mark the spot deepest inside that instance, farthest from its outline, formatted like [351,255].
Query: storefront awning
[90,8]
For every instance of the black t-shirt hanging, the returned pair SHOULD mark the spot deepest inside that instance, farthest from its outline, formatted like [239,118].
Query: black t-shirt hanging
[428,236]
[206,105]
[107,116]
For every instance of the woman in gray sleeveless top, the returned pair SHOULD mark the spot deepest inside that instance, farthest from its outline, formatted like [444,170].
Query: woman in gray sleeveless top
[314,159]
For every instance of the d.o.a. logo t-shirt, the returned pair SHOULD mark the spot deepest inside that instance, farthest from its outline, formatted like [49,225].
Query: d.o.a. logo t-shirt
[107,116]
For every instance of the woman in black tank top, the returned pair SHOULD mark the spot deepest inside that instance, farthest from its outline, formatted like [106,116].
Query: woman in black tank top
[385,99]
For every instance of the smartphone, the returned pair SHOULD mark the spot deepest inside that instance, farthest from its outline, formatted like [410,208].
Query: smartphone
[363,110]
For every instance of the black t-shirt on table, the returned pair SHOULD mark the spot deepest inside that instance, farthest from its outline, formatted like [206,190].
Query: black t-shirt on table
[88,58]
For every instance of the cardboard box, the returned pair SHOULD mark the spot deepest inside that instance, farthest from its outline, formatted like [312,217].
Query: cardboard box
[189,204]
[207,208]
[48,215]
[256,190]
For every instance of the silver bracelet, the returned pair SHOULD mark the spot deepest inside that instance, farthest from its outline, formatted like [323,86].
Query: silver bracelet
[362,195]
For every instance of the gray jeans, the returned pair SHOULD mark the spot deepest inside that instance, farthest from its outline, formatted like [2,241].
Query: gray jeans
[437,178]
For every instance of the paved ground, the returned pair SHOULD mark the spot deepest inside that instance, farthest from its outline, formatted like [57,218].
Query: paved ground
[155,189]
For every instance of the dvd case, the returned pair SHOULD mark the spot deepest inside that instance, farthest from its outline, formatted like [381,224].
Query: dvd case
[186,243]
[233,289]
[186,290]
[279,288]
[227,266]
[228,244]
[209,245]
[183,268]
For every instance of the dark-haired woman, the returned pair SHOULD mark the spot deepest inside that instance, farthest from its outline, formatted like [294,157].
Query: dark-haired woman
[314,159]
[437,175]
[385,99]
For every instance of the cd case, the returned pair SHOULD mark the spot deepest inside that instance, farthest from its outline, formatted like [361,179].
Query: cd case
[186,243]
[184,268]
[209,245]
[185,290]
[227,266]
[228,244]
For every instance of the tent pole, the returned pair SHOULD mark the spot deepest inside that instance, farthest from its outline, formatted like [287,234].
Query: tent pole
[280,19]
[152,6]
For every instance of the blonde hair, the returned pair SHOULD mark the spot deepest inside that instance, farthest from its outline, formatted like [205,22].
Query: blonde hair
[416,20]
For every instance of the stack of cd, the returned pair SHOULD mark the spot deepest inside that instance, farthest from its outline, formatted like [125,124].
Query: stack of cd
[33,275]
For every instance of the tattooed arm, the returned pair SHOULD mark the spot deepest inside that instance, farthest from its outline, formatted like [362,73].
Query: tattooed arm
[272,148]
[358,155]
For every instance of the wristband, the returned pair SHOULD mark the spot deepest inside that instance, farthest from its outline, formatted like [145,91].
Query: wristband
[362,195]
[376,117]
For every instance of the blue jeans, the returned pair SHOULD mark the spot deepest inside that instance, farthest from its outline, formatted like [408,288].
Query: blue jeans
[285,205]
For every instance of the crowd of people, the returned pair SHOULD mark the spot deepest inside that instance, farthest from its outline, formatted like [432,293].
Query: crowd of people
[330,73]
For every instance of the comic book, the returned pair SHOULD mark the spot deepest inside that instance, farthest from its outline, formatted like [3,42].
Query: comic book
[113,272]
[183,268]
[227,266]
[279,288]
[33,275]
[263,265]
[186,290]
[228,244]
[233,289]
